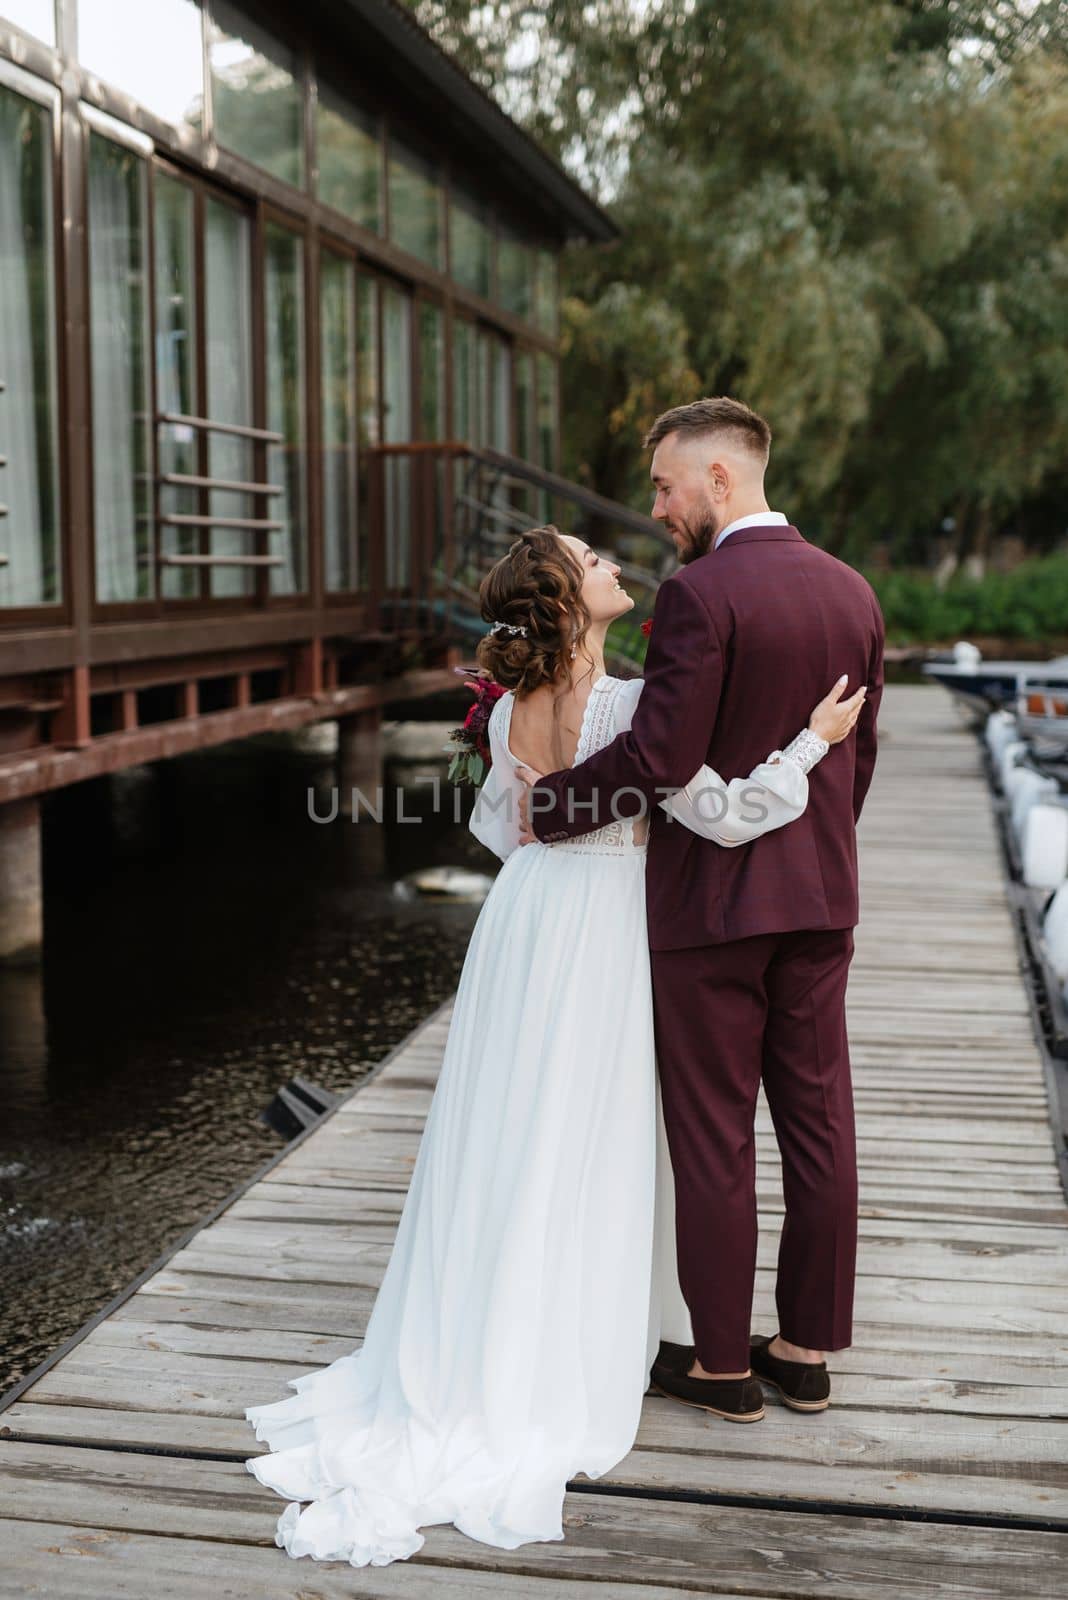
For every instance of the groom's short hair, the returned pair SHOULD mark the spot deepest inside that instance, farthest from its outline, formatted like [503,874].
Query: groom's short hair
[718,415]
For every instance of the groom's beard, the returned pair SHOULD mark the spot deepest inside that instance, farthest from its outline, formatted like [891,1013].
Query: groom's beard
[700,537]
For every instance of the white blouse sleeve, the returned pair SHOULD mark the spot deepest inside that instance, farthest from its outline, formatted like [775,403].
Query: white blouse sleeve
[738,811]
[494,819]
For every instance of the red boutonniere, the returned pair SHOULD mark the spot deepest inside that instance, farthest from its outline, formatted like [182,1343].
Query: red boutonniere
[647,626]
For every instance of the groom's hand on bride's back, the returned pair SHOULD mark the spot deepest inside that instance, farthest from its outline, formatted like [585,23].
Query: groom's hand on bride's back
[529,777]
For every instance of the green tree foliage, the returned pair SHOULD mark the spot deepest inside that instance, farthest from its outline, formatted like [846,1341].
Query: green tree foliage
[853,216]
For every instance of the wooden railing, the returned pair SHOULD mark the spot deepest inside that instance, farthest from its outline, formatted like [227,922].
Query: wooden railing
[189,519]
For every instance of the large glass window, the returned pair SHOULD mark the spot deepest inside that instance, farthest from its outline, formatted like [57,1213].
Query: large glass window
[525,407]
[350,160]
[431,372]
[547,412]
[32,16]
[368,393]
[256,94]
[502,395]
[285,402]
[495,391]
[470,244]
[414,204]
[397,417]
[118,298]
[337,357]
[515,276]
[228,330]
[546,293]
[176,377]
[547,378]
[495,400]
[162,68]
[434,474]
[465,399]
[526,423]
[29,532]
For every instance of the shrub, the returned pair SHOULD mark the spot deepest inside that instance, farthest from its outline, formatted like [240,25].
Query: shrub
[1031,602]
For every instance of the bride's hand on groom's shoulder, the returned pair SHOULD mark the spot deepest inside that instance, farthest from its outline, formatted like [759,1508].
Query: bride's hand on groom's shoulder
[834,718]
[529,778]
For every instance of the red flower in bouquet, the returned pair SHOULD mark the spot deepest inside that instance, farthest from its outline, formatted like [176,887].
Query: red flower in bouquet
[647,626]
[469,746]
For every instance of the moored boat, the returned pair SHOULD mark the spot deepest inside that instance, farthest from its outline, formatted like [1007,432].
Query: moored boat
[979,686]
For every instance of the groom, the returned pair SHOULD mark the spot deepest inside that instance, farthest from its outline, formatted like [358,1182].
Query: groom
[750,947]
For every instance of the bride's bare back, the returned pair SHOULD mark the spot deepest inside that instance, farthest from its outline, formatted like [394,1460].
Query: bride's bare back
[544,736]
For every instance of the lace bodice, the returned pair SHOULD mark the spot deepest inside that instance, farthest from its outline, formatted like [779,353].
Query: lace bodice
[600,725]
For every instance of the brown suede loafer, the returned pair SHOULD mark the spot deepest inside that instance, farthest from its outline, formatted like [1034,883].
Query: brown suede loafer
[803,1385]
[679,1357]
[675,1355]
[736,1399]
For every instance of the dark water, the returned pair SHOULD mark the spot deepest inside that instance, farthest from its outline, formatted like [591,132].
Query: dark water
[204,941]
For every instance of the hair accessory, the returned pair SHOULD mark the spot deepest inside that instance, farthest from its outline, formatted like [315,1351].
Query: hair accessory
[509,627]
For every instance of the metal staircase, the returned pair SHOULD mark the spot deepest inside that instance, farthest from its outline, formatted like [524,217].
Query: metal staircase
[497,496]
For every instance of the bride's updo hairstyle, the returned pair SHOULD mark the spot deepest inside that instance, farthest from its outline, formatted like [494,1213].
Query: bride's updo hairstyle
[536,586]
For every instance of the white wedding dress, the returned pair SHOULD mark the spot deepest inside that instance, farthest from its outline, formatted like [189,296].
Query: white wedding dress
[533,1272]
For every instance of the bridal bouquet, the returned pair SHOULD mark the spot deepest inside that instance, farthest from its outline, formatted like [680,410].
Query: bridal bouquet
[469,746]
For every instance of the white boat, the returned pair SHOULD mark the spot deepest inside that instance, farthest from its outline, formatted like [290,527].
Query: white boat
[1042,711]
[980,687]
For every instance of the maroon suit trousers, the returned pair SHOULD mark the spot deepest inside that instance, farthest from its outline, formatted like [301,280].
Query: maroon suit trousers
[727,1015]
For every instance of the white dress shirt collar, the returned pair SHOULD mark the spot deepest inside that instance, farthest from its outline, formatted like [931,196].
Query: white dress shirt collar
[757,519]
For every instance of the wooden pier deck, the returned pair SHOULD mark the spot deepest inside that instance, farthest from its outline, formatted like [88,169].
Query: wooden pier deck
[941,1468]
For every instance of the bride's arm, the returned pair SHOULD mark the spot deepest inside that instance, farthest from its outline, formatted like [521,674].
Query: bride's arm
[775,792]
[494,820]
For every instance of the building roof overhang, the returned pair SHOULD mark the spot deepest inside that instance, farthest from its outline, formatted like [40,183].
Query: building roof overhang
[407,44]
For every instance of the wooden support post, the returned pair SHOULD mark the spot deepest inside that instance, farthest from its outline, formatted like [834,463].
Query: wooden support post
[359,756]
[21,913]
[129,710]
[70,725]
[190,698]
[308,668]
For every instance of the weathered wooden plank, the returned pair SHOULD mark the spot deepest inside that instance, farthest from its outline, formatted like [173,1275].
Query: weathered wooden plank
[886,1351]
[345,1203]
[979,1263]
[999,1136]
[344,1312]
[886,1181]
[998,1485]
[220,1499]
[729,1548]
[252,1238]
[60,1562]
[190,1385]
[891,1166]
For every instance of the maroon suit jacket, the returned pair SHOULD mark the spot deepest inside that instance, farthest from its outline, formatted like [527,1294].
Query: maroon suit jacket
[746,640]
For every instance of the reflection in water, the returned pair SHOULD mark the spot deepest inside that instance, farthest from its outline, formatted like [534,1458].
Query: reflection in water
[204,941]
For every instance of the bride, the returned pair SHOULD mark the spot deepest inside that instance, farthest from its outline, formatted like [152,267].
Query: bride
[533,1272]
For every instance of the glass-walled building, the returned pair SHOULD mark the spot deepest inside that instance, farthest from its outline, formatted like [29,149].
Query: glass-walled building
[242,248]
